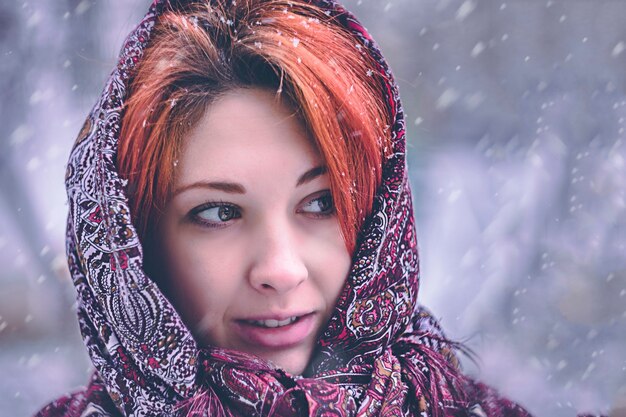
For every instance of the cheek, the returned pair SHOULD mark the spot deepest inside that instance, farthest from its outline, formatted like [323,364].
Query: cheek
[202,278]
[330,261]
[340,264]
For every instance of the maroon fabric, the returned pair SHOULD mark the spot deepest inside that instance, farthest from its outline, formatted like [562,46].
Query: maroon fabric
[92,401]
[381,354]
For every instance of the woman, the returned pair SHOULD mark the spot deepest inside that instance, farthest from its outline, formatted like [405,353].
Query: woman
[241,234]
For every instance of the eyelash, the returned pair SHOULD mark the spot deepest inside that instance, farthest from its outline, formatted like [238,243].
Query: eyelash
[196,218]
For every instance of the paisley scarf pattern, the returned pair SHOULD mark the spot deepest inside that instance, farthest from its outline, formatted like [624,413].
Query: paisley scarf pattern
[381,355]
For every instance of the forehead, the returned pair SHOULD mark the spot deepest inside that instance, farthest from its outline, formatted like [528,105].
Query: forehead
[245,130]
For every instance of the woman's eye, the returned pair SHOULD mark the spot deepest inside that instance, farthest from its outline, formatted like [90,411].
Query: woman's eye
[216,214]
[322,205]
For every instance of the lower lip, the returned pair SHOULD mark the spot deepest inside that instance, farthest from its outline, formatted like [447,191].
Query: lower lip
[276,337]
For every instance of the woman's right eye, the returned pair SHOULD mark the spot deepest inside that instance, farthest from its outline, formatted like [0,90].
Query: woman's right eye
[215,215]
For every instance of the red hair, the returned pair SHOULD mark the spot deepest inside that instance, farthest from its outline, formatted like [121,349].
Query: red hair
[199,53]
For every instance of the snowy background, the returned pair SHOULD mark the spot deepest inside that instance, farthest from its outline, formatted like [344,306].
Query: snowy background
[516,115]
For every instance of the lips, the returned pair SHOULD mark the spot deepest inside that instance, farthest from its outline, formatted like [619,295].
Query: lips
[272,323]
[277,332]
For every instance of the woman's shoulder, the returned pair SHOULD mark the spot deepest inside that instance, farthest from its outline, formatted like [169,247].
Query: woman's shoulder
[92,401]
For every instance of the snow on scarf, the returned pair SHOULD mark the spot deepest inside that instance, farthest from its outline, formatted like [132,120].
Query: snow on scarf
[381,354]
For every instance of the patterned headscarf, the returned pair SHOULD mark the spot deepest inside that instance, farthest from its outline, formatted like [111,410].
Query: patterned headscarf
[380,355]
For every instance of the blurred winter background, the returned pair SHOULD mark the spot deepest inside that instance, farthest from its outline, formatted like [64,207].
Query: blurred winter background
[516,115]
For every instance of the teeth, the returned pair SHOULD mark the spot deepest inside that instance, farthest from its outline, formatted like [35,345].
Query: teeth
[274,323]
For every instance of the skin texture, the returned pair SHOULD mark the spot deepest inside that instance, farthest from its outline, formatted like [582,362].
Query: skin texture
[267,246]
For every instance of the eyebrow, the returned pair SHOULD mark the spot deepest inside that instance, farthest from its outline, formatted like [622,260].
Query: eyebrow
[311,174]
[236,188]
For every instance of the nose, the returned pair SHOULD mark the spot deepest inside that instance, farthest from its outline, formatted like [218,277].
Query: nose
[277,266]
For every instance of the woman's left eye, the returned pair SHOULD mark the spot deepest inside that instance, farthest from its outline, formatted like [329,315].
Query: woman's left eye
[321,205]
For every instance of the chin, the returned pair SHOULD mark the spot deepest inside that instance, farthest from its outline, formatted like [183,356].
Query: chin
[292,362]
[296,368]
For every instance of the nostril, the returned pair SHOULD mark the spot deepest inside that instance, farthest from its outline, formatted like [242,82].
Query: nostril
[277,268]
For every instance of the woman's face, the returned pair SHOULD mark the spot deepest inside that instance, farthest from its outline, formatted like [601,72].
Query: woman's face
[254,256]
